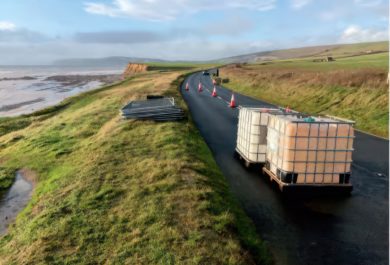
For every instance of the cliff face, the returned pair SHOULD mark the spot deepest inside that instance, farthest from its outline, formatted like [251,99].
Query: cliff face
[134,68]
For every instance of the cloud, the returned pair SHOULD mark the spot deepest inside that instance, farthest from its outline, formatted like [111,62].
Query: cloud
[298,4]
[100,9]
[160,10]
[21,36]
[355,33]
[345,12]
[341,12]
[259,5]
[368,3]
[119,37]
[230,26]
[7,26]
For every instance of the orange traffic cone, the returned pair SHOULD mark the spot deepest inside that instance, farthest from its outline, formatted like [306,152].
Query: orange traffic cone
[200,87]
[214,94]
[232,102]
[214,82]
[187,87]
[288,109]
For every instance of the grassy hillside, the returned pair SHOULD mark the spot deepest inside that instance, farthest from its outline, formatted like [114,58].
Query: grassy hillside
[378,61]
[353,87]
[336,50]
[111,191]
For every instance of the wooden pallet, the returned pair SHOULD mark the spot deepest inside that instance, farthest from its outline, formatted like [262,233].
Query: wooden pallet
[247,162]
[347,188]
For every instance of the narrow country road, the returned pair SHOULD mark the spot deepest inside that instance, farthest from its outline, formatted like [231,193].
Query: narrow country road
[313,231]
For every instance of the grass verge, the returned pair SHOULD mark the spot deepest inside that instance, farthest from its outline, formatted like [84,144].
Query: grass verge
[354,88]
[121,192]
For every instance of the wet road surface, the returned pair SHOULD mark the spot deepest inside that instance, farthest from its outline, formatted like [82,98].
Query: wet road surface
[314,230]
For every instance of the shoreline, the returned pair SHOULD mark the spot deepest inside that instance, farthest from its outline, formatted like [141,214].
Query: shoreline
[29,96]
[20,104]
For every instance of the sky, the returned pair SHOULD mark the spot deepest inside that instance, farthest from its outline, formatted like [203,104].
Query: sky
[39,32]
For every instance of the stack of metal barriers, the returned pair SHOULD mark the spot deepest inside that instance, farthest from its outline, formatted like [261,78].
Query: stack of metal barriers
[155,108]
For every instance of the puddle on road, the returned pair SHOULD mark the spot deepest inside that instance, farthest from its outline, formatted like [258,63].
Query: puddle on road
[14,200]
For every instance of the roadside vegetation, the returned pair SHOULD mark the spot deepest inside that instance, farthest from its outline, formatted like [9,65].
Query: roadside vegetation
[354,87]
[111,191]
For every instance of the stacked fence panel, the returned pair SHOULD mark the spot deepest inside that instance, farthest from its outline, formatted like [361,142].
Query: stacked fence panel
[157,109]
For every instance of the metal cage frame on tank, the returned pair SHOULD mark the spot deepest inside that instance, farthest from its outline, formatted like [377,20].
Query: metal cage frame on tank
[290,178]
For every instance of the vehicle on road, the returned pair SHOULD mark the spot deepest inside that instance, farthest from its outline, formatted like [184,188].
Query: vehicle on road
[205,72]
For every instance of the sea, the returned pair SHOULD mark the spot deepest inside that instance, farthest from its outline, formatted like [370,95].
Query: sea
[25,89]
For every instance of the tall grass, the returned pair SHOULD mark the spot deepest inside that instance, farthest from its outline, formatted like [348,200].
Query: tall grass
[357,93]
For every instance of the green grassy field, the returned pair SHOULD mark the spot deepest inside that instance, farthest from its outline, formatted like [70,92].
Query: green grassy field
[353,87]
[111,191]
[377,61]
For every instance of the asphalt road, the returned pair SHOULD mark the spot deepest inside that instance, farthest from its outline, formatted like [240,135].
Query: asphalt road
[313,230]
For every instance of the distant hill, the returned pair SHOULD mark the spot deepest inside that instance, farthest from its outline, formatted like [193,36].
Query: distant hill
[115,61]
[337,50]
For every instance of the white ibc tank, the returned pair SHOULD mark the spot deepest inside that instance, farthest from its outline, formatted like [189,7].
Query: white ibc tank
[252,133]
[310,150]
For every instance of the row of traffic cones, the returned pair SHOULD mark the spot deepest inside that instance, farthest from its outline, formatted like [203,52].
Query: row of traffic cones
[214,94]
[232,103]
